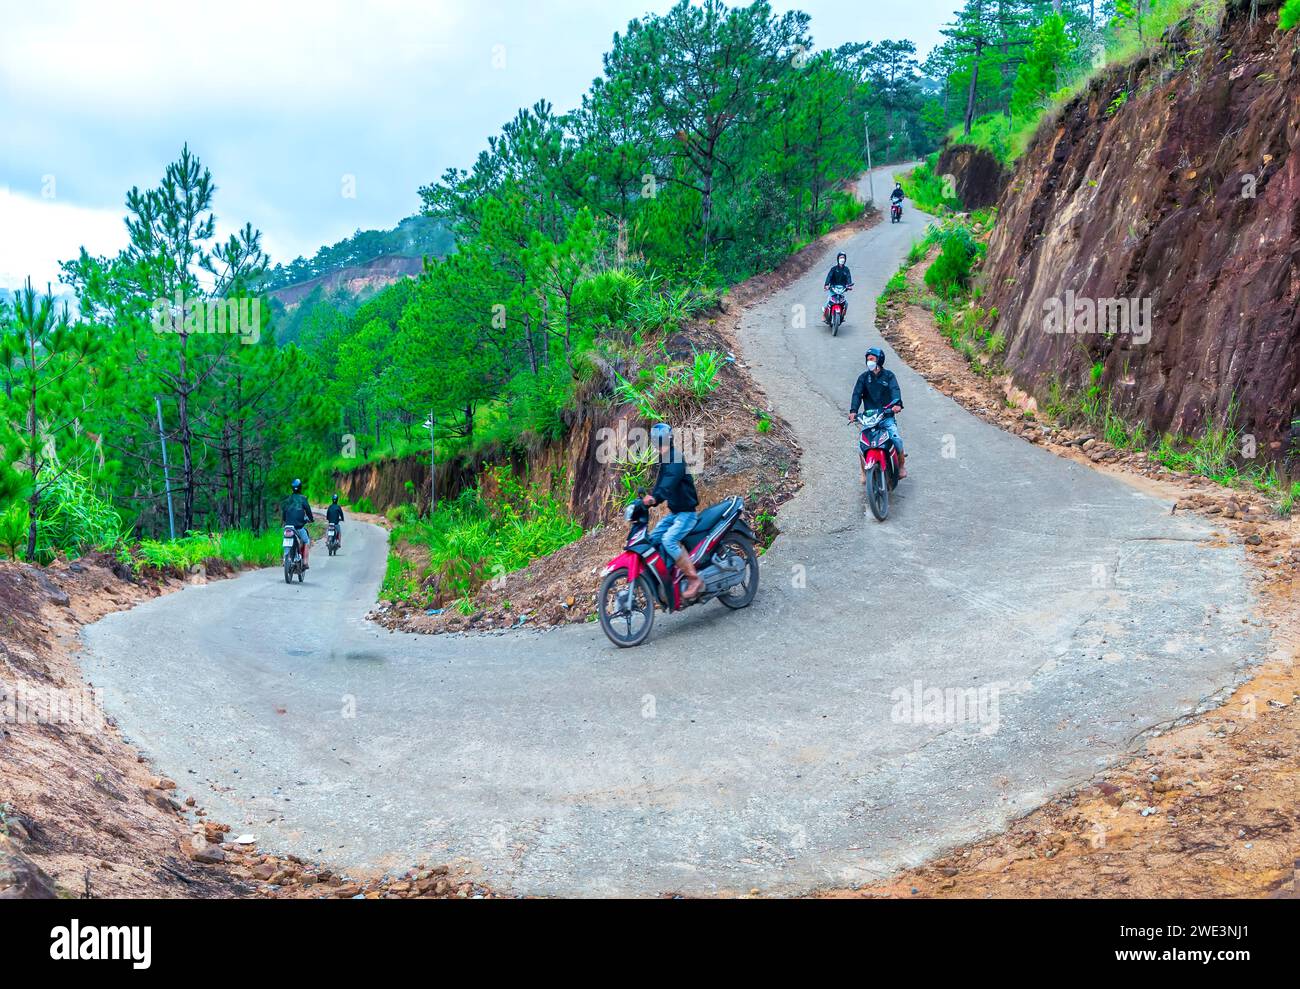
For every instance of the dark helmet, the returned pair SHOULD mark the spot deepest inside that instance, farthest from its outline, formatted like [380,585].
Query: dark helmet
[336,499]
[661,433]
[878,354]
[297,484]
[841,257]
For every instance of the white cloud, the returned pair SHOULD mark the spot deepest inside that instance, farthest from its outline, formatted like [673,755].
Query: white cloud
[37,233]
[281,98]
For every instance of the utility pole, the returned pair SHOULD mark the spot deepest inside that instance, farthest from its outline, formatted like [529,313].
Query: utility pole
[167,481]
[871,182]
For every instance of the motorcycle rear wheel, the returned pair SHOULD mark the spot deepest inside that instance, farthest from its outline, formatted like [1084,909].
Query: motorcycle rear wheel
[733,545]
[288,569]
[607,610]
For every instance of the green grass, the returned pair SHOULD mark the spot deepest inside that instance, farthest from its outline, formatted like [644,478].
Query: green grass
[474,539]
[672,388]
[634,470]
[926,189]
[1287,499]
[846,207]
[179,557]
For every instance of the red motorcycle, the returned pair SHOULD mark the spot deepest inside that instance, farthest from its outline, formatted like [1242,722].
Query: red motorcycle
[837,308]
[641,577]
[879,460]
[895,212]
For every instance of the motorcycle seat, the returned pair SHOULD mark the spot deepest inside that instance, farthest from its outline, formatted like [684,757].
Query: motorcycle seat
[714,514]
[705,523]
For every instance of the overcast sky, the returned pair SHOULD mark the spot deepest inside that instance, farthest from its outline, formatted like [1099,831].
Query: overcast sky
[282,100]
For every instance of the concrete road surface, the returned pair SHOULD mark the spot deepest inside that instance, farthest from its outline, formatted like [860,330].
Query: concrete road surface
[813,740]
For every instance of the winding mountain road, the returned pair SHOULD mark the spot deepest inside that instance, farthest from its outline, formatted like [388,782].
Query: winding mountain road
[776,748]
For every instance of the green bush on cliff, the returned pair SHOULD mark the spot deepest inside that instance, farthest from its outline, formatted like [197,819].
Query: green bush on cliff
[951,270]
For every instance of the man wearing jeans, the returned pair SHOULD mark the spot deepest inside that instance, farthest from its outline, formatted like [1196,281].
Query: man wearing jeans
[676,487]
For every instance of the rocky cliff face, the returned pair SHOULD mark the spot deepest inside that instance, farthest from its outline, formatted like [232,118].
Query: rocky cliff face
[586,481]
[979,177]
[1183,197]
[355,279]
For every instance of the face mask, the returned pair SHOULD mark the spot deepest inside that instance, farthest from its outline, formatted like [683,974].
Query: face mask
[871,365]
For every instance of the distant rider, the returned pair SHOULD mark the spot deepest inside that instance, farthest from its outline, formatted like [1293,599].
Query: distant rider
[676,487]
[878,389]
[335,514]
[838,279]
[296,511]
[896,197]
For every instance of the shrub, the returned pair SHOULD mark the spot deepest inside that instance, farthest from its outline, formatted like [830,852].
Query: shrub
[1290,15]
[474,538]
[669,388]
[13,530]
[951,270]
[400,514]
[70,519]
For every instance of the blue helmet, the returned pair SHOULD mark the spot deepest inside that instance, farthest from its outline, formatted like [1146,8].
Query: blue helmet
[297,484]
[878,354]
[661,433]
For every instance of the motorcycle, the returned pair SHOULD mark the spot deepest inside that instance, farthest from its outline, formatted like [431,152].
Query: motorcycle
[879,459]
[895,212]
[293,562]
[836,308]
[332,541]
[642,577]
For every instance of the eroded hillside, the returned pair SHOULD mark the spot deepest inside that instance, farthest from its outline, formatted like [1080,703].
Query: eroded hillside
[1170,183]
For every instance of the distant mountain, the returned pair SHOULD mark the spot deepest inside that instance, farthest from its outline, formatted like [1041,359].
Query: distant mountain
[367,260]
[354,279]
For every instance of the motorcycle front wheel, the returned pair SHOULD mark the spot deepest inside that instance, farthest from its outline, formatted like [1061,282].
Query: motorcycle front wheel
[626,610]
[742,595]
[878,494]
[836,319]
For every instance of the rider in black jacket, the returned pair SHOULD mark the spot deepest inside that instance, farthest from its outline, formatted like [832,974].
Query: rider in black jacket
[676,487]
[335,514]
[839,277]
[296,511]
[877,388]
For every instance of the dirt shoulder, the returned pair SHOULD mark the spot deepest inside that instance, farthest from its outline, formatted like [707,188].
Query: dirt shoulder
[81,813]
[763,467]
[1208,808]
